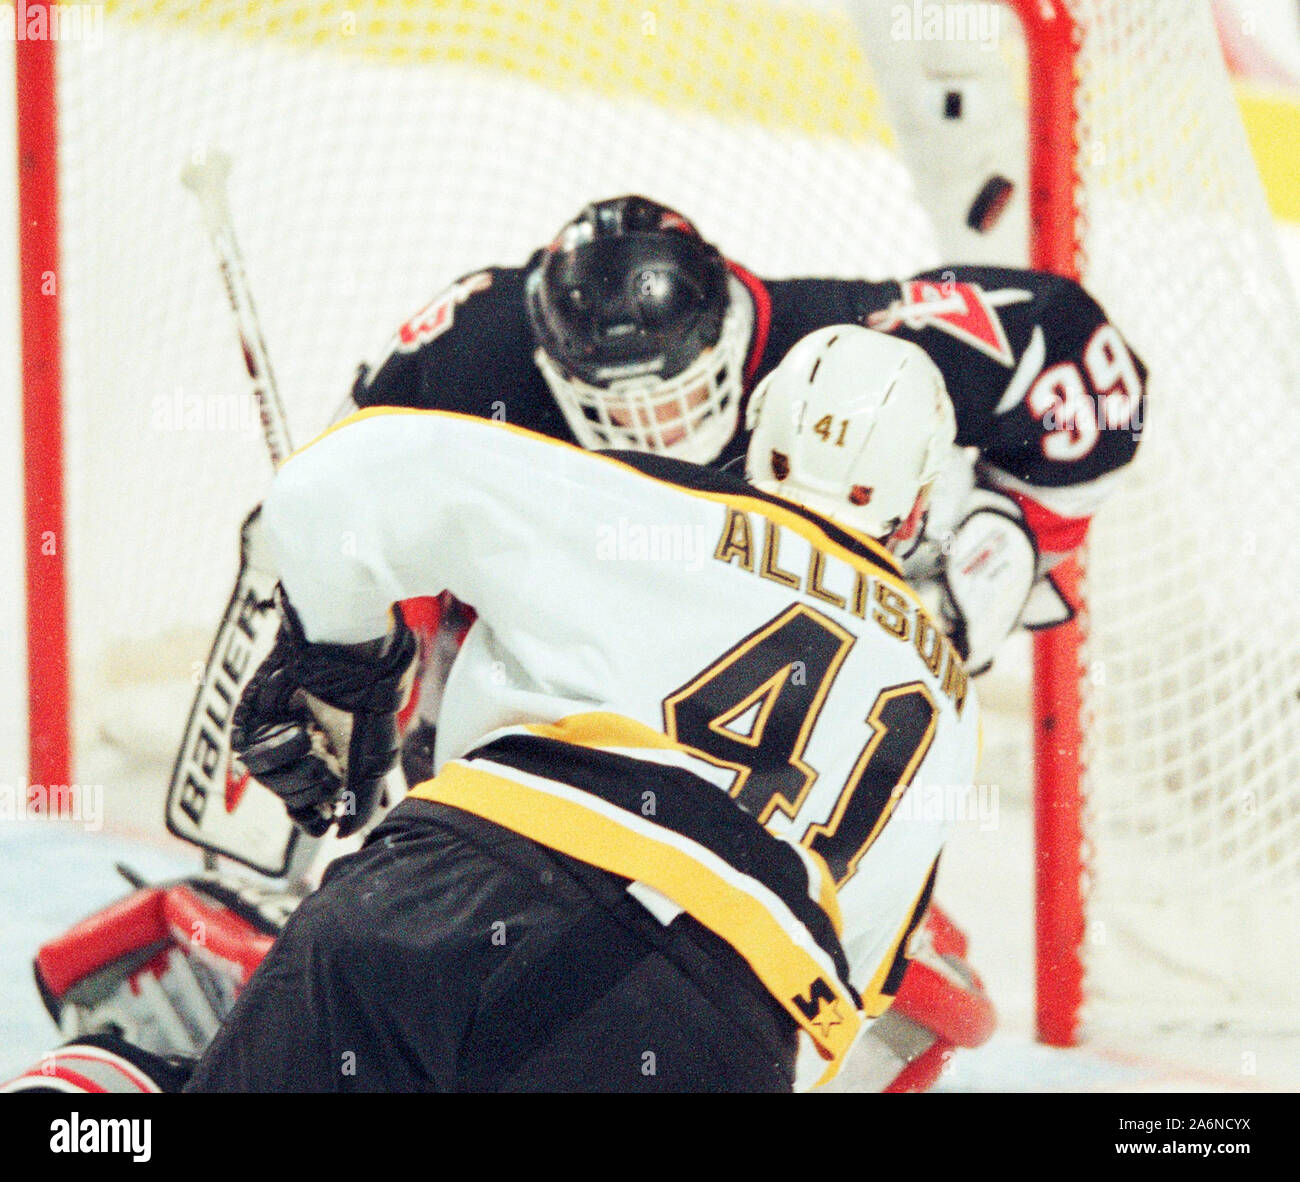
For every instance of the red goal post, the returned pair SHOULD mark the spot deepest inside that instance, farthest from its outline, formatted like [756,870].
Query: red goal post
[48,689]
[1054,245]
[1167,742]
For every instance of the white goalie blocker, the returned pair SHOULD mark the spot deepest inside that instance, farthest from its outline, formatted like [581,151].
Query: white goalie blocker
[977,565]
[953,101]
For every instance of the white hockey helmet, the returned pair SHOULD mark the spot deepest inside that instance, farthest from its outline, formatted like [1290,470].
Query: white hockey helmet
[854,425]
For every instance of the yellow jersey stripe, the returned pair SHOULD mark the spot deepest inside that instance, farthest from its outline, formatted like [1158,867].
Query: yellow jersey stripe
[603,729]
[788,964]
[606,730]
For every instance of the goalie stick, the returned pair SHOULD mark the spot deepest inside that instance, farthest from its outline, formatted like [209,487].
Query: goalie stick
[211,800]
[205,176]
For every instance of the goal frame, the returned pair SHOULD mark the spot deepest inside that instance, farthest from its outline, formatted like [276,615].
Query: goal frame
[49,701]
[1052,46]
[1055,245]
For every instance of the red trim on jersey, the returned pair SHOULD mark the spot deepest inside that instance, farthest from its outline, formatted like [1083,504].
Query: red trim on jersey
[123,1067]
[1055,534]
[921,1074]
[224,933]
[129,925]
[75,1078]
[762,318]
[423,616]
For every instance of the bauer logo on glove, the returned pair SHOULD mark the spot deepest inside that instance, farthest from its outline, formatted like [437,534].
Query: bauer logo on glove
[317,724]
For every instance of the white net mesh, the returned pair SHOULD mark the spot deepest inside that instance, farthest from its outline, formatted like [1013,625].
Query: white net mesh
[1193,660]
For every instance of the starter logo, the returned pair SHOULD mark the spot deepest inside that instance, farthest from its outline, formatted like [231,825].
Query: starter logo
[101,1135]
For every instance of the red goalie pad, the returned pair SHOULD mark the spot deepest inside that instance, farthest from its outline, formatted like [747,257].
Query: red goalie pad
[940,990]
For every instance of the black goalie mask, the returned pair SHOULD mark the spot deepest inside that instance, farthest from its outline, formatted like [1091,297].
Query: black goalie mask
[641,331]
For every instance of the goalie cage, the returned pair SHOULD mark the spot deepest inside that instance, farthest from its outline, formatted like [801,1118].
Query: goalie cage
[386,147]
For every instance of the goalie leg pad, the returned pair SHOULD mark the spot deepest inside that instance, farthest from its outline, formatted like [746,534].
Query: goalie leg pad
[99,1064]
[162,967]
[940,1006]
[922,1073]
[940,991]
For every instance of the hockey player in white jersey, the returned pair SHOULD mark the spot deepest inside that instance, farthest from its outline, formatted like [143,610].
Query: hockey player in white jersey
[664,842]
[668,845]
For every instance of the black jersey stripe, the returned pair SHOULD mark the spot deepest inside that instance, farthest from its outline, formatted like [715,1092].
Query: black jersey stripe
[894,978]
[687,805]
[740,910]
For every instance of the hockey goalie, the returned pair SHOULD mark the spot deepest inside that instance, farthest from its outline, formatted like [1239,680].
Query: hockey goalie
[630,330]
[662,850]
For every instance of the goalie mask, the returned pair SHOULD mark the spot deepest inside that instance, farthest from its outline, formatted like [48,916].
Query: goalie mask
[641,331]
[856,426]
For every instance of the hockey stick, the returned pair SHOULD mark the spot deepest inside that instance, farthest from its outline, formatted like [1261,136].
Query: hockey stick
[211,802]
[205,176]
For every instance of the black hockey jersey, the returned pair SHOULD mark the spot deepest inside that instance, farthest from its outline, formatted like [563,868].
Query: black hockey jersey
[1043,385]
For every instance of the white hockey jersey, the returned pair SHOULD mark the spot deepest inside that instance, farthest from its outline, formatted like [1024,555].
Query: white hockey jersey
[657,644]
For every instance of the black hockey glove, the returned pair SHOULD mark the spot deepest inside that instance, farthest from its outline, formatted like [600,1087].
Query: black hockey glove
[317,724]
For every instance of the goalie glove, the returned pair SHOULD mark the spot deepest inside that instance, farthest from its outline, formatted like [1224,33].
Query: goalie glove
[317,724]
[987,576]
[162,967]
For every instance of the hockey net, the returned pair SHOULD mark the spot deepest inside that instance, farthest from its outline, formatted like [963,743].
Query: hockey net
[384,147]
[1190,666]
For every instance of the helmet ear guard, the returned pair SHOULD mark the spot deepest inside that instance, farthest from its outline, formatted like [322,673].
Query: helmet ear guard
[641,331]
[854,425]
